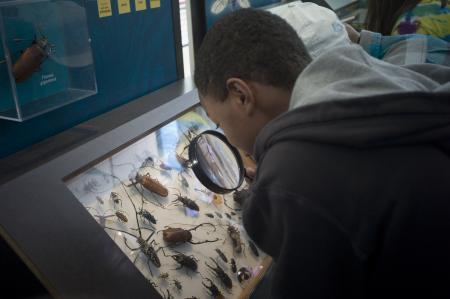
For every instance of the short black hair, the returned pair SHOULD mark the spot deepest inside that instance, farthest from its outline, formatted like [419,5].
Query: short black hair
[249,44]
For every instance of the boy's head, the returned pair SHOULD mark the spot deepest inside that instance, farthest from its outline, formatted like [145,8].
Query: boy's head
[245,71]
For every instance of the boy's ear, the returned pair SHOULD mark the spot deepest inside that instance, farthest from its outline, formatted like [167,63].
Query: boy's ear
[241,93]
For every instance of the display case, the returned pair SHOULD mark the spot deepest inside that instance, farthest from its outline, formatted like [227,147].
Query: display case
[124,217]
[46,60]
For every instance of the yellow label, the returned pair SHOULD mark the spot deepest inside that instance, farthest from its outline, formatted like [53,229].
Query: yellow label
[155,3]
[140,5]
[104,8]
[124,6]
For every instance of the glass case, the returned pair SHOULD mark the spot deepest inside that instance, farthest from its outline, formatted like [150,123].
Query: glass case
[185,240]
[45,57]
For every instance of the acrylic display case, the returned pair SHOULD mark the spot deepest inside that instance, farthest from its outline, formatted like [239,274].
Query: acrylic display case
[136,196]
[100,220]
[45,57]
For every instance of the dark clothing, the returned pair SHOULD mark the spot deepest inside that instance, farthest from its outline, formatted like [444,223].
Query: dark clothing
[352,198]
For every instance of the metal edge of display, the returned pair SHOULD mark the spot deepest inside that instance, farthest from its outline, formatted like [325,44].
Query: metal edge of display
[54,234]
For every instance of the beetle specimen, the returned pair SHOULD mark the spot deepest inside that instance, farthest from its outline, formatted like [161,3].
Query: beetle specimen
[243,274]
[253,248]
[115,198]
[209,215]
[121,216]
[235,238]
[222,255]
[186,202]
[233,213]
[175,235]
[233,265]
[31,58]
[213,289]
[183,260]
[219,215]
[164,275]
[152,184]
[147,216]
[220,274]
[240,196]
[177,284]
[228,216]
[145,246]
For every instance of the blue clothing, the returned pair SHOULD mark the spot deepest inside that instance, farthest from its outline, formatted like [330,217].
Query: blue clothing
[406,49]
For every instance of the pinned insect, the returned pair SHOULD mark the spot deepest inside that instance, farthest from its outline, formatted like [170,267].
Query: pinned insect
[145,246]
[164,275]
[240,196]
[233,265]
[175,235]
[187,202]
[115,198]
[184,261]
[209,215]
[243,274]
[151,184]
[253,248]
[221,255]
[228,216]
[147,216]
[31,58]
[235,236]
[220,274]
[177,284]
[121,216]
[213,289]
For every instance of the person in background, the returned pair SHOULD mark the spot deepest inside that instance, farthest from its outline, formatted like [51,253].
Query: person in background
[397,17]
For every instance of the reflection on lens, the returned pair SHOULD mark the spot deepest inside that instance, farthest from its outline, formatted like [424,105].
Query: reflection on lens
[218,161]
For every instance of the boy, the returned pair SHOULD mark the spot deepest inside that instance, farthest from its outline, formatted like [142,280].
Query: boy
[352,194]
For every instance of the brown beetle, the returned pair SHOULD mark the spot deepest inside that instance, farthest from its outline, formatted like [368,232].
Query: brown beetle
[152,184]
[176,235]
[31,59]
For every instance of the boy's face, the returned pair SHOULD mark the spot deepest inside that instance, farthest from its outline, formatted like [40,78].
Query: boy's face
[248,107]
[237,127]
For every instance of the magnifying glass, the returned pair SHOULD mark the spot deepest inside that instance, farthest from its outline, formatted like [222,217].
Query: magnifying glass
[215,162]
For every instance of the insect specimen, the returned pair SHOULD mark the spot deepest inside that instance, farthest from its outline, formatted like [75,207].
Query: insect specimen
[209,215]
[243,274]
[115,198]
[233,265]
[183,181]
[177,284]
[152,185]
[175,235]
[186,202]
[220,5]
[213,289]
[228,216]
[235,238]
[31,58]
[145,246]
[218,215]
[121,216]
[164,275]
[220,274]
[253,248]
[221,255]
[147,216]
[184,261]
